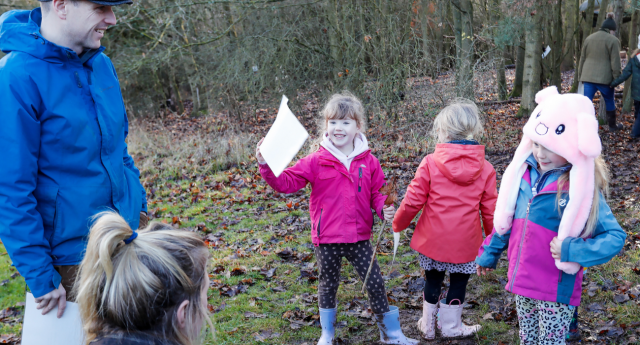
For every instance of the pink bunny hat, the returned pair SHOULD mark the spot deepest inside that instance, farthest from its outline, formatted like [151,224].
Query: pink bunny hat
[565,124]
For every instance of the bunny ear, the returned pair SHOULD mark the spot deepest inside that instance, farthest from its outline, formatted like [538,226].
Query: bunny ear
[588,140]
[546,93]
[510,187]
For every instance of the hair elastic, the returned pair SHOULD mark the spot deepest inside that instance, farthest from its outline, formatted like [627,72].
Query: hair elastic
[131,238]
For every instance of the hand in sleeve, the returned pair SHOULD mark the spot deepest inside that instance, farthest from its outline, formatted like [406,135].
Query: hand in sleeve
[259,156]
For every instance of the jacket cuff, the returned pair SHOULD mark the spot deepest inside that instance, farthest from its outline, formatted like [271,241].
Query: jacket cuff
[486,261]
[564,251]
[379,212]
[38,289]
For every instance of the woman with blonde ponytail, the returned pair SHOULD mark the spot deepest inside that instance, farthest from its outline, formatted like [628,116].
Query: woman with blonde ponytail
[146,287]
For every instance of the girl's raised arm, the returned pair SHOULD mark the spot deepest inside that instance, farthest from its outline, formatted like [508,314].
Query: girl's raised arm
[414,200]
[292,179]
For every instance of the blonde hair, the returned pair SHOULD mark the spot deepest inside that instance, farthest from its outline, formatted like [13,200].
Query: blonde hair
[340,106]
[138,287]
[457,121]
[601,186]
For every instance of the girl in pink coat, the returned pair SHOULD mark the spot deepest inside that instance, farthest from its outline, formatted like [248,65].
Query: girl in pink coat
[345,180]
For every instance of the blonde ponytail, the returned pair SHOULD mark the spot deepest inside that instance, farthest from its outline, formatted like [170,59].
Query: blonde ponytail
[601,189]
[138,287]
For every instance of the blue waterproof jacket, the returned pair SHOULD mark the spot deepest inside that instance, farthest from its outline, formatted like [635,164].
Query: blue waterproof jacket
[532,271]
[62,150]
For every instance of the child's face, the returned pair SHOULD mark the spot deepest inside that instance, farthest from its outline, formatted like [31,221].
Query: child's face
[342,132]
[547,159]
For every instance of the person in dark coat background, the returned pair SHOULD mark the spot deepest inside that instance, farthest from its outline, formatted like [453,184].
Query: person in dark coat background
[600,65]
[632,70]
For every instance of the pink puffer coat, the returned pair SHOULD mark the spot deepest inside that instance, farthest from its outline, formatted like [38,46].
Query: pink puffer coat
[341,201]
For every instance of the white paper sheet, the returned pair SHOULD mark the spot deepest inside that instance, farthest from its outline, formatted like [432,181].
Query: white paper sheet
[396,242]
[581,88]
[47,329]
[284,140]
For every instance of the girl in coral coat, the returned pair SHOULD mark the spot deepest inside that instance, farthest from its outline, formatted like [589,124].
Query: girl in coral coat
[454,187]
[345,180]
[551,216]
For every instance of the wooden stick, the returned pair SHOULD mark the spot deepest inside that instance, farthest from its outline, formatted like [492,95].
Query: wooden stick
[373,257]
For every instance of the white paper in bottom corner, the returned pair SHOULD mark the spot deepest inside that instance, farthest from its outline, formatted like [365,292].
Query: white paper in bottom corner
[285,138]
[47,329]
[396,241]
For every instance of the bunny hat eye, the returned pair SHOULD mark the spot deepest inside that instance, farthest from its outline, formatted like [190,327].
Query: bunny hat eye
[538,115]
[560,129]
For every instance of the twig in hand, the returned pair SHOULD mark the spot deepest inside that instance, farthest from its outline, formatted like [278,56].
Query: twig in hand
[373,257]
[390,191]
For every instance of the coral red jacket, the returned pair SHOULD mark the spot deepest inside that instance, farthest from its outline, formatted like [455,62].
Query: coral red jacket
[341,201]
[451,186]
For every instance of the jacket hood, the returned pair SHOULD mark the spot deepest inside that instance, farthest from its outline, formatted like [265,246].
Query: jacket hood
[20,32]
[360,146]
[461,164]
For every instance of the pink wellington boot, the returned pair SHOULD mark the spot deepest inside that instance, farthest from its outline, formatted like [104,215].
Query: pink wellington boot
[450,321]
[427,324]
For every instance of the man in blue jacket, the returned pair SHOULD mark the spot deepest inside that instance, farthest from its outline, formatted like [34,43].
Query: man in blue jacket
[63,127]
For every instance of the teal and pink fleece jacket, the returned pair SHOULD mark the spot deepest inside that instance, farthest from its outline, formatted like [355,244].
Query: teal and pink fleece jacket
[532,271]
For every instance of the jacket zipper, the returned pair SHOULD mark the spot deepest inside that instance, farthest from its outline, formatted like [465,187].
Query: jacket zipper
[524,231]
[360,180]
[319,221]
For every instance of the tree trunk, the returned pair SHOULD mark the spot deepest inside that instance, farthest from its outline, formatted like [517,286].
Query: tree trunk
[442,15]
[532,65]
[463,21]
[633,43]
[602,14]
[569,35]
[427,57]
[555,42]
[334,33]
[517,82]
[618,12]
[499,52]
[586,31]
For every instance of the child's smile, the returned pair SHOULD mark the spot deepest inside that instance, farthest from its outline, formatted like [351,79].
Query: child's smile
[341,134]
[547,159]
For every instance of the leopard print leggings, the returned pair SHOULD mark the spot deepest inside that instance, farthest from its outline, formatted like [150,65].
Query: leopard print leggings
[542,322]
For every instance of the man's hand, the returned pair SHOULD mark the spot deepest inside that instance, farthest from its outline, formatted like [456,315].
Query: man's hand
[144,220]
[49,301]
[556,248]
[482,270]
[389,212]
[258,154]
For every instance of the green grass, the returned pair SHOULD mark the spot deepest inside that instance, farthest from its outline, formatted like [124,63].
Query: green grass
[246,216]
[11,292]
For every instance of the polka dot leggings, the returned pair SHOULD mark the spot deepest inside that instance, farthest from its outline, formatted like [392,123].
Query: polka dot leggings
[542,322]
[329,257]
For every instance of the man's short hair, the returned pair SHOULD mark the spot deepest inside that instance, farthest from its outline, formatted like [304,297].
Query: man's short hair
[46,5]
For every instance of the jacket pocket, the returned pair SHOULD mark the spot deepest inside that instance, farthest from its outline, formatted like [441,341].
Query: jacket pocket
[47,199]
[327,173]
[319,224]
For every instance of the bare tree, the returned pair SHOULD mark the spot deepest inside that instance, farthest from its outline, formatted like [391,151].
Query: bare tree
[570,18]
[618,11]
[532,65]
[586,31]
[520,56]
[463,22]
[498,54]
